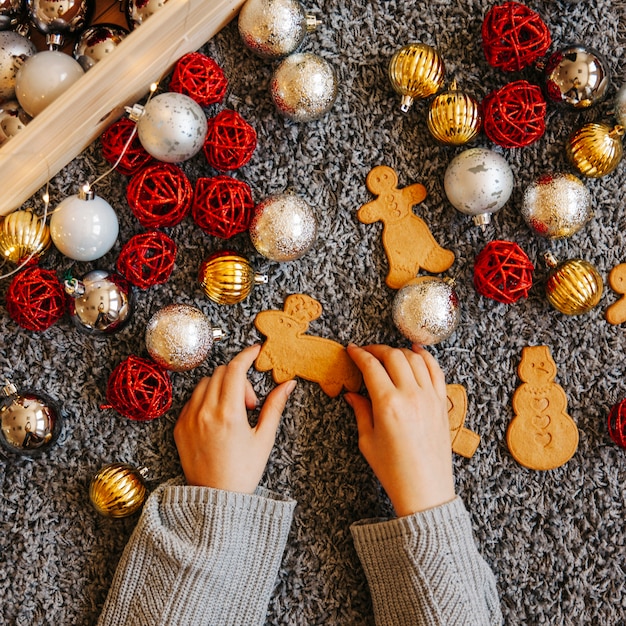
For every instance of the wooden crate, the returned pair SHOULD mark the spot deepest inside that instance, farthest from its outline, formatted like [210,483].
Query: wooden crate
[73,121]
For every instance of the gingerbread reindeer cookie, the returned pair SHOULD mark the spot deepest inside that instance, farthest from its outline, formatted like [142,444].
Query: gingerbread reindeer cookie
[616,313]
[407,240]
[289,352]
[464,441]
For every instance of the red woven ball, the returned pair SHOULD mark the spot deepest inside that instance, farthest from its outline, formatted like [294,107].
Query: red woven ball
[159,195]
[199,77]
[222,206]
[139,389]
[617,423]
[503,272]
[230,141]
[147,259]
[35,298]
[514,36]
[114,142]
[515,115]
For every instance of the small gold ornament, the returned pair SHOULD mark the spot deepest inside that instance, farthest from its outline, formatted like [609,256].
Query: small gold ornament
[416,71]
[573,287]
[118,490]
[454,117]
[228,278]
[596,149]
[23,233]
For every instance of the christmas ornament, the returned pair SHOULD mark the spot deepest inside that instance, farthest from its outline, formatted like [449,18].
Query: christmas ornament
[222,206]
[513,36]
[31,422]
[84,226]
[503,272]
[96,43]
[283,227]
[179,337]
[596,149]
[199,77]
[556,205]
[478,182]
[230,141]
[227,277]
[620,106]
[303,87]
[274,28]
[100,303]
[13,120]
[138,11]
[35,299]
[121,147]
[426,310]
[57,20]
[454,117]
[171,126]
[573,287]
[118,490]
[14,50]
[617,423]
[22,235]
[43,77]
[416,71]
[139,389]
[514,115]
[12,14]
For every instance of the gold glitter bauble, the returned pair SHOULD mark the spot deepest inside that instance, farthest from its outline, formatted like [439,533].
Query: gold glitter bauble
[118,490]
[596,149]
[454,117]
[416,71]
[573,287]
[22,233]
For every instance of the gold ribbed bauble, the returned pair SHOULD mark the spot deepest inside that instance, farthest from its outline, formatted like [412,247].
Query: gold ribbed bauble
[596,149]
[22,233]
[228,278]
[573,287]
[416,71]
[118,490]
[454,117]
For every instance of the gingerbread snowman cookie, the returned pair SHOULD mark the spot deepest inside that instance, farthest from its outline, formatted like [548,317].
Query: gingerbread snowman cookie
[616,313]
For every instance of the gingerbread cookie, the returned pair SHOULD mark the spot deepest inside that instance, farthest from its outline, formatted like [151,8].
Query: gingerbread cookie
[616,313]
[289,352]
[464,441]
[542,435]
[407,240]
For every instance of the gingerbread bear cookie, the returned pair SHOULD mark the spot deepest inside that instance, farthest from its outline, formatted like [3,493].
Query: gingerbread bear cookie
[541,436]
[616,313]
[289,352]
[407,240]
[464,441]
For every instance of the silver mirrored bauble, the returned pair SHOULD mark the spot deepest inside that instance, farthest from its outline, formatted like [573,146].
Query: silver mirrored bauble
[556,205]
[13,119]
[12,13]
[58,18]
[96,43]
[426,310]
[303,87]
[14,48]
[138,11]
[283,227]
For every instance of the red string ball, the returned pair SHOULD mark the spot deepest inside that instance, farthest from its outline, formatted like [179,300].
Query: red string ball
[230,141]
[514,36]
[617,423]
[159,195]
[147,259]
[515,115]
[222,206]
[503,272]
[139,389]
[199,77]
[114,140]
[35,298]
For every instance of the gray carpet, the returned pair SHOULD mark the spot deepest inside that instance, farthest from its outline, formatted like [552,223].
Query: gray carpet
[555,539]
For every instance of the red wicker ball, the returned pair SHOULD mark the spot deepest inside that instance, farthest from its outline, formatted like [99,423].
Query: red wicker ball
[35,298]
[230,141]
[515,115]
[222,206]
[139,389]
[617,423]
[115,142]
[514,36]
[503,272]
[159,195]
[199,77]
[147,259]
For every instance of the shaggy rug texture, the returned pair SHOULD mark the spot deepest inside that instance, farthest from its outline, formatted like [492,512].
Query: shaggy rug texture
[555,539]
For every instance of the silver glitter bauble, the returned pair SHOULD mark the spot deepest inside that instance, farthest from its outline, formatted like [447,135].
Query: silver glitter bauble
[58,18]
[13,120]
[556,205]
[283,227]
[303,87]
[14,48]
[101,302]
[96,43]
[12,14]
[179,337]
[426,310]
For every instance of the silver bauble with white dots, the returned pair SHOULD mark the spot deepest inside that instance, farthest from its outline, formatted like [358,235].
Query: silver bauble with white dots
[14,48]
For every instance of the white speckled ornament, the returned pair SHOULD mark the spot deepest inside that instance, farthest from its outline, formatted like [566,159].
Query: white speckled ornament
[14,48]
[13,119]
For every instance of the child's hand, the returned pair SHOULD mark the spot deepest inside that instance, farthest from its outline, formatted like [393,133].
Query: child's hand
[216,445]
[404,432]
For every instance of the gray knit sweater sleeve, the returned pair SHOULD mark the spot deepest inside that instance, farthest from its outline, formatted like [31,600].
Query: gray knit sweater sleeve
[200,556]
[425,569]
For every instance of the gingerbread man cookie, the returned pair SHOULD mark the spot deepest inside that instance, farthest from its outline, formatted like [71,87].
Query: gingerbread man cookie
[464,441]
[616,313]
[289,352]
[407,240]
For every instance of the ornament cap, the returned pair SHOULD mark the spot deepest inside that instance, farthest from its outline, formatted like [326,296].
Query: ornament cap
[9,389]
[482,219]
[135,112]
[54,41]
[86,193]
[406,103]
[218,334]
[550,260]
[618,131]
[74,287]
[312,22]
[261,279]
